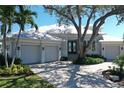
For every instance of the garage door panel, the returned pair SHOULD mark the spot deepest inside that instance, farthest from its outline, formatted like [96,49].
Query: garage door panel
[112,51]
[51,53]
[30,54]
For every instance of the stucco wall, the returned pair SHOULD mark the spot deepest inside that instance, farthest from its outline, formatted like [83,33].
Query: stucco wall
[33,42]
[118,44]
[74,37]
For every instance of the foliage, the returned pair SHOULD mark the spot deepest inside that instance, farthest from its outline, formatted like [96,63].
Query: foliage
[14,14]
[63,58]
[23,17]
[96,56]
[6,19]
[16,70]
[118,71]
[89,61]
[73,14]
[120,62]
[31,81]
[2,60]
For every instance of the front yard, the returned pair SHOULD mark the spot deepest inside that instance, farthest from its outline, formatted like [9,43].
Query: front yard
[31,81]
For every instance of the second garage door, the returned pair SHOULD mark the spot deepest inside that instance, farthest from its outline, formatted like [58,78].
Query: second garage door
[111,52]
[30,54]
[51,53]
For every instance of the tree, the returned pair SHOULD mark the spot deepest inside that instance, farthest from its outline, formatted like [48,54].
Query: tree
[74,15]
[9,15]
[6,17]
[22,17]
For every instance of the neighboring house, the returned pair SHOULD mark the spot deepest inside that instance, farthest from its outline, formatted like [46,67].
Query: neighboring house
[52,42]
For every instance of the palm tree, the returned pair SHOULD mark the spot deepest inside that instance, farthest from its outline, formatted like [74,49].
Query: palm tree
[6,19]
[23,17]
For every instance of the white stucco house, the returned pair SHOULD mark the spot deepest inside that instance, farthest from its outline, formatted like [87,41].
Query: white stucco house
[52,42]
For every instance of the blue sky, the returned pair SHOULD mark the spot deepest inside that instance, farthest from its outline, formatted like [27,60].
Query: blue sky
[110,27]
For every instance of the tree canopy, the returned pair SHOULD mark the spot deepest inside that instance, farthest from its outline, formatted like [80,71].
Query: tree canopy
[74,14]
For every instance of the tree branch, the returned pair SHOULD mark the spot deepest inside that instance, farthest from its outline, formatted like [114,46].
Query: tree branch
[87,25]
[100,21]
[70,17]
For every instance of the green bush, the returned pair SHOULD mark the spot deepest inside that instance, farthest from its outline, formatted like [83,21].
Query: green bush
[96,56]
[89,61]
[16,70]
[5,71]
[120,62]
[2,60]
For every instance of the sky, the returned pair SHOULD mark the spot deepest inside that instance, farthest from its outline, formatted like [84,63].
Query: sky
[43,19]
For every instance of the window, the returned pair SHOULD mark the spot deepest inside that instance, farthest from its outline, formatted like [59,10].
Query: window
[72,46]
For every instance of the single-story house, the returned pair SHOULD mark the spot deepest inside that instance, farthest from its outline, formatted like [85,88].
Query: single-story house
[52,42]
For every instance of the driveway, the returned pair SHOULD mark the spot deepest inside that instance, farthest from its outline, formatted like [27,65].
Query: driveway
[63,74]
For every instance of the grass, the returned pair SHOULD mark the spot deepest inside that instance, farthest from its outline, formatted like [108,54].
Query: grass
[32,81]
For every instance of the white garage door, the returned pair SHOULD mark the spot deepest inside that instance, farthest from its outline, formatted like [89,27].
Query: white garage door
[51,53]
[111,52]
[30,54]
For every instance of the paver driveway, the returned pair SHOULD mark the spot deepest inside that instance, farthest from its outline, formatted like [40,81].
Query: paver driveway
[64,74]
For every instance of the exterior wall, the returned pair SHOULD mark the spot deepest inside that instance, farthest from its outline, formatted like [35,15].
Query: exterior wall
[70,37]
[97,46]
[105,44]
[40,43]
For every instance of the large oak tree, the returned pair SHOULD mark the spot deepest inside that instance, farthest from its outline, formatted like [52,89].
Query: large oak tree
[74,14]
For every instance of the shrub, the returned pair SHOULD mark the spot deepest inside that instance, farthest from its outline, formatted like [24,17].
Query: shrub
[16,70]
[96,56]
[120,62]
[63,58]
[89,61]
[2,60]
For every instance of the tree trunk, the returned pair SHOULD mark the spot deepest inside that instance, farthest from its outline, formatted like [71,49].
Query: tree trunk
[79,45]
[15,50]
[5,49]
[79,48]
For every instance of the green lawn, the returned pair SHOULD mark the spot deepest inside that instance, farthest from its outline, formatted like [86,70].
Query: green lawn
[32,81]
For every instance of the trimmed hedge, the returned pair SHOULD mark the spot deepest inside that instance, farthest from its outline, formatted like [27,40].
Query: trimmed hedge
[96,56]
[2,60]
[89,61]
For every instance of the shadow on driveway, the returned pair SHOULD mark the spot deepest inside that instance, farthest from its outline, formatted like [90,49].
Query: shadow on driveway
[64,74]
